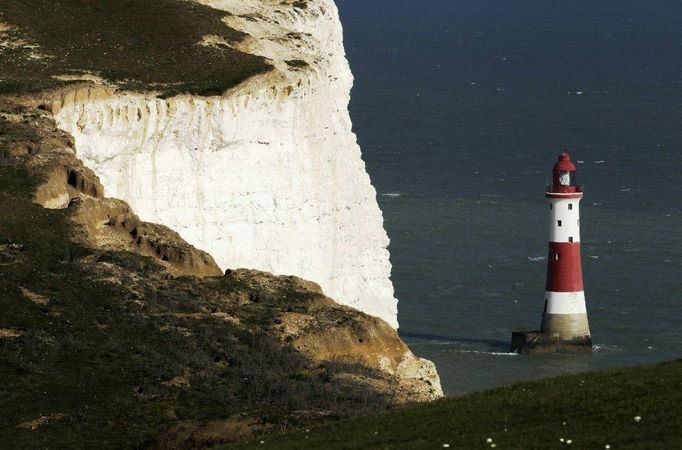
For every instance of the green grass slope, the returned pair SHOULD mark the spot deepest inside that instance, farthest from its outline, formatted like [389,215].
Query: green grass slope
[591,410]
[137,44]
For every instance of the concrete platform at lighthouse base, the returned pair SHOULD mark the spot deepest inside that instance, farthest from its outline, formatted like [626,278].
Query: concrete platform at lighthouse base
[528,342]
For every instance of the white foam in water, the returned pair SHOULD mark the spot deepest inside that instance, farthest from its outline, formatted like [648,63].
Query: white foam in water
[536,258]
[391,194]
[479,352]
[606,348]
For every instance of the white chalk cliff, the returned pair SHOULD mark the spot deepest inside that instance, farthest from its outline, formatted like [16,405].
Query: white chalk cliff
[268,176]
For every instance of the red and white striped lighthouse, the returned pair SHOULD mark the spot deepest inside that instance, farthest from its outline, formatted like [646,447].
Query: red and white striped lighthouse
[565,318]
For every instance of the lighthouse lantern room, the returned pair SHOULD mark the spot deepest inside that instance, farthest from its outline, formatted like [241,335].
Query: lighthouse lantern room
[564,319]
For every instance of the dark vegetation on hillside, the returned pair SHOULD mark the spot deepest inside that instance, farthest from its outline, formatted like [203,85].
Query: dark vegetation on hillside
[137,44]
[591,410]
[104,349]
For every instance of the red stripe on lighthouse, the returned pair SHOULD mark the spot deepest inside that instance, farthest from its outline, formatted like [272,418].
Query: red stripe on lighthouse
[560,195]
[564,270]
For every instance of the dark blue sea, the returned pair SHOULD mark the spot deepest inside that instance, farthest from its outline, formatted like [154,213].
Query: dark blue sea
[461,108]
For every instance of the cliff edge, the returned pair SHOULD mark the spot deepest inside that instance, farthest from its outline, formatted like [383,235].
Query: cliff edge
[256,163]
[220,126]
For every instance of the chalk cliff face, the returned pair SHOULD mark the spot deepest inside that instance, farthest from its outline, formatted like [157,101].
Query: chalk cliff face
[268,176]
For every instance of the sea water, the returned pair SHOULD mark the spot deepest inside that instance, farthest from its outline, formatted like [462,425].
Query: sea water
[461,108]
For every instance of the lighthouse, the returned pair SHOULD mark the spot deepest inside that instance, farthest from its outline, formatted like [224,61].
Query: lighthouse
[564,325]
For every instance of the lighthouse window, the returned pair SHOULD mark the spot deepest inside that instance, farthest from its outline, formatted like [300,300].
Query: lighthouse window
[558,222]
[570,239]
[550,206]
[570,206]
[557,256]
[565,178]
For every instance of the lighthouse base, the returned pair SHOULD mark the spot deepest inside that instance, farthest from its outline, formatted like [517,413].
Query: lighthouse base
[528,342]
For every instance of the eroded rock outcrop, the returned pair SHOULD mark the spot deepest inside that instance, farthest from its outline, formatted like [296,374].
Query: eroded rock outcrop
[104,223]
[328,331]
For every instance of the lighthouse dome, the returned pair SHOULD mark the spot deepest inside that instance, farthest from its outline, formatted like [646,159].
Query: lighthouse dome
[563,175]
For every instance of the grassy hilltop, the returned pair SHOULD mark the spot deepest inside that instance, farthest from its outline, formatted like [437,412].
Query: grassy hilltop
[591,410]
[137,44]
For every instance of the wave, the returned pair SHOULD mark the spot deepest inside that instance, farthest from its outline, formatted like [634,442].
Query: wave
[597,348]
[391,194]
[481,352]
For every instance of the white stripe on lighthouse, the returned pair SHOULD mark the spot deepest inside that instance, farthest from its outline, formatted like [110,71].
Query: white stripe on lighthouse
[564,224]
[565,302]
